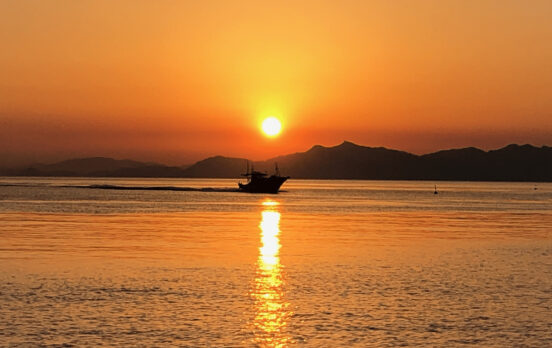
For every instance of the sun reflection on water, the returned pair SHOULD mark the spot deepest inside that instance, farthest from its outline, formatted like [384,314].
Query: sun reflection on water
[272,313]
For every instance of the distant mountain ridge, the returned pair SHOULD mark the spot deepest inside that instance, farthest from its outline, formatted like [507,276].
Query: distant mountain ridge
[344,161]
[98,167]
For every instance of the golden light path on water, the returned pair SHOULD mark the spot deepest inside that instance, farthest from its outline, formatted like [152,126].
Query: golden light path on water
[272,313]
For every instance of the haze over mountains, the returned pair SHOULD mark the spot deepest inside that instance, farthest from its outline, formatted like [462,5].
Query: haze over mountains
[344,161]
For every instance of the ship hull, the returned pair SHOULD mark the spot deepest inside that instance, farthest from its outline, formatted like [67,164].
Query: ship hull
[271,184]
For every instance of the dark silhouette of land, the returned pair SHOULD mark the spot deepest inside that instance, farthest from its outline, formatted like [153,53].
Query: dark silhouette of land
[345,161]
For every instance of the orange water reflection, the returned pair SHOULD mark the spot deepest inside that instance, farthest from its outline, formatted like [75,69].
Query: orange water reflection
[272,314]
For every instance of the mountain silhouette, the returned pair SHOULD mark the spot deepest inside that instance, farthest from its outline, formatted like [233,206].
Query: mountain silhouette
[98,167]
[217,167]
[351,161]
[344,161]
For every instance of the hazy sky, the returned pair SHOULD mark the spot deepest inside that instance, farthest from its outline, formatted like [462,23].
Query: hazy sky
[175,81]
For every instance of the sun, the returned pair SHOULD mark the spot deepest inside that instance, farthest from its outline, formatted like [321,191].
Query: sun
[271,126]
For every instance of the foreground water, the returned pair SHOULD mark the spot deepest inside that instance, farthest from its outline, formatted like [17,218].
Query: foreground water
[325,263]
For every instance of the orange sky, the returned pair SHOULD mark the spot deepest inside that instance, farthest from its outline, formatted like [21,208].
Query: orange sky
[175,81]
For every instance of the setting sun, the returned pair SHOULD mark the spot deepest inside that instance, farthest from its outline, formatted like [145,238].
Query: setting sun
[271,126]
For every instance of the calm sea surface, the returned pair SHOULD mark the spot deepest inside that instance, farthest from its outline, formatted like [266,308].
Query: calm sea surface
[322,264]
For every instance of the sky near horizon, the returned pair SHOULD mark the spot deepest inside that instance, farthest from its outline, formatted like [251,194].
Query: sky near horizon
[176,81]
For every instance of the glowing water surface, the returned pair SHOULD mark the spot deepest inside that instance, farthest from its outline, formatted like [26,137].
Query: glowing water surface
[324,263]
[272,309]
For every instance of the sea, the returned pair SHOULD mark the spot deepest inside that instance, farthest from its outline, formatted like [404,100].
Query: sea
[87,262]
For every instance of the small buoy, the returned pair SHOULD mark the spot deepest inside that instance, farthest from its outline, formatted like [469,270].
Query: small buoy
[435,192]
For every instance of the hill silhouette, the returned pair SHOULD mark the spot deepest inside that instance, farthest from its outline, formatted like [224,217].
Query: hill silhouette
[217,167]
[344,161]
[351,161]
[98,167]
